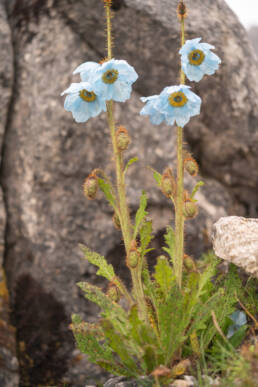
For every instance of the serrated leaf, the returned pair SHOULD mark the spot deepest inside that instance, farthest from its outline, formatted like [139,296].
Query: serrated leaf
[164,275]
[114,312]
[107,189]
[140,214]
[115,369]
[130,162]
[105,269]
[171,243]
[196,188]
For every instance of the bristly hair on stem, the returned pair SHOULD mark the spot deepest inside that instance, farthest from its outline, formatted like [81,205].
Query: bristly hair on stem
[110,44]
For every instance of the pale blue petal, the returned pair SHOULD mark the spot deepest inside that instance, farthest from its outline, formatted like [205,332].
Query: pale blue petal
[70,100]
[121,91]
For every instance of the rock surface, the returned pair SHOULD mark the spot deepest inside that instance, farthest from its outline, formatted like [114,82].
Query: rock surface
[235,239]
[46,155]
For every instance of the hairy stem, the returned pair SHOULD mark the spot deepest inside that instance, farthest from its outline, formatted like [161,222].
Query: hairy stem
[124,215]
[179,221]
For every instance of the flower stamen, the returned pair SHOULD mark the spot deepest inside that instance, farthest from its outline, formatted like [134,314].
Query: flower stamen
[177,99]
[110,76]
[196,57]
[87,96]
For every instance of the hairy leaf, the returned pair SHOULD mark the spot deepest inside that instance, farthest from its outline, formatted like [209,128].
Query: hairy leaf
[164,274]
[105,270]
[196,188]
[145,236]
[170,241]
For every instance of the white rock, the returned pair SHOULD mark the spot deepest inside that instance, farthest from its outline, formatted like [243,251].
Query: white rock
[235,239]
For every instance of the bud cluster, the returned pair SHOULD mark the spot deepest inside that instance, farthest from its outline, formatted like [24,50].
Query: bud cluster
[191,165]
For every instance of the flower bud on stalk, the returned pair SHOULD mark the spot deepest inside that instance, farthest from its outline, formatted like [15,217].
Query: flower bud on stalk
[113,292]
[190,209]
[133,256]
[191,166]
[122,138]
[181,10]
[168,183]
[90,186]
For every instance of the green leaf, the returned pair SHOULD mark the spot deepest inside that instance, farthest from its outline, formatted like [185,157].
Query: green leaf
[157,176]
[130,162]
[164,274]
[90,340]
[107,189]
[170,240]
[196,188]
[115,369]
[114,312]
[105,270]
[145,236]
[140,214]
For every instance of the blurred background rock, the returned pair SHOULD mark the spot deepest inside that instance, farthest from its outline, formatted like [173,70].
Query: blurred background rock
[45,157]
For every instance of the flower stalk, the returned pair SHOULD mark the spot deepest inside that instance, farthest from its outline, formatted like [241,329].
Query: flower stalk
[124,216]
[179,216]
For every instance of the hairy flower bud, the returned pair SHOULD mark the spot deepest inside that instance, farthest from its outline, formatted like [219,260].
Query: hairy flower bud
[90,186]
[113,292]
[122,138]
[133,256]
[190,209]
[116,221]
[191,166]
[189,263]
[181,10]
[168,183]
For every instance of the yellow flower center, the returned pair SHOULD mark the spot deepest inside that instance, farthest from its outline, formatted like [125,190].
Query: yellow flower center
[87,96]
[177,99]
[110,76]
[196,57]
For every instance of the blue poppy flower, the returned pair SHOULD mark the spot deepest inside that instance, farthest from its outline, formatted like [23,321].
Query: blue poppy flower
[174,104]
[113,80]
[150,110]
[239,319]
[197,59]
[86,70]
[83,102]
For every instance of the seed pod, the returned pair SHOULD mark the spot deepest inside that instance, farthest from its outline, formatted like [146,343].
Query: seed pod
[122,138]
[168,183]
[90,186]
[190,209]
[181,10]
[116,221]
[191,166]
[113,292]
[133,256]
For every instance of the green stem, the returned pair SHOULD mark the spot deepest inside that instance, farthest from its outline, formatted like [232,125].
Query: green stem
[124,215]
[179,219]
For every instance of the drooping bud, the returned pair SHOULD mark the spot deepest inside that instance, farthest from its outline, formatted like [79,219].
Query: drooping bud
[190,209]
[116,221]
[181,10]
[191,166]
[122,138]
[113,292]
[133,256]
[90,186]
[168,183]
[108,2]
[189,263]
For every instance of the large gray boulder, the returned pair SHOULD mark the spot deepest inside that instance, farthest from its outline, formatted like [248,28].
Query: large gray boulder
[46,156]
